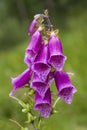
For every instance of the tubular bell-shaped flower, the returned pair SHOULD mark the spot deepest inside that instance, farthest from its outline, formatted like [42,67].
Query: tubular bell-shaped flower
[32,27]
[38,85]
[56,59]
[43,104]
[41,66]
[21,80]
[33,48]
[65,88]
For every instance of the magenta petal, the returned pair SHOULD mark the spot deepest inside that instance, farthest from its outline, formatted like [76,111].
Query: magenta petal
[32,27]
[65,88]
[38,85]
[41,66]
[27,60]
[35,42]
[57,59]
[21,80]
[43,104]
[33,47]
[50,77]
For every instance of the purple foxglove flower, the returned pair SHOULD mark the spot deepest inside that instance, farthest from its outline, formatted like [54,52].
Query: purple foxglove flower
[21,80]
[28,61]
[41,66]
[43,104]
[32,27]
[65,88]
[33,47]
[38,85]
[57,59]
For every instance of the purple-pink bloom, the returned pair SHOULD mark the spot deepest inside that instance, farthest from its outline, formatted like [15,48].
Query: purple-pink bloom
[41,66]
[65,88]
[43,104]
[32,27]
[39,85]
[56,59]
[33,48]
[21,80]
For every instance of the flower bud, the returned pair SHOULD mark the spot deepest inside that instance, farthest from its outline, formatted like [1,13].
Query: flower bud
[32,27]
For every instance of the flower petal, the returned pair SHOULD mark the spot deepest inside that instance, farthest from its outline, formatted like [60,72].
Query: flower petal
[41,66]
[64,86]
[33,47]
[32,26]
[57,59]
[43,105]
[21,80]
[38,85]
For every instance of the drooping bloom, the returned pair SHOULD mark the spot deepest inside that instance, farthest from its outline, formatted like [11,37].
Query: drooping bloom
[32,27]
[39,85]
[33,48]
[56,59]
[43,104]
[65,88]
[21,80]
[41,66]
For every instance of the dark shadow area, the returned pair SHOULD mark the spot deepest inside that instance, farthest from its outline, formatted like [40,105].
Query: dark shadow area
[15,15]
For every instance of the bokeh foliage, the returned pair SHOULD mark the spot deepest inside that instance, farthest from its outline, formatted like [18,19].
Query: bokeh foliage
[70,16]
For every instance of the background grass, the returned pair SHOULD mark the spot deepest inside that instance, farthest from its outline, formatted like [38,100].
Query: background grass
[69,117]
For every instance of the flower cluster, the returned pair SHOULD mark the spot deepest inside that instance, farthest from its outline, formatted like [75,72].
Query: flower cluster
[45,60]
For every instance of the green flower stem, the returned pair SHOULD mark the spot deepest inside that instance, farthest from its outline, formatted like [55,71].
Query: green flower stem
[34,126]
[14,121]
[54,105]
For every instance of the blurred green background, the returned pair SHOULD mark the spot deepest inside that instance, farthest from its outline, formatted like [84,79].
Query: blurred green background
[70,17]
